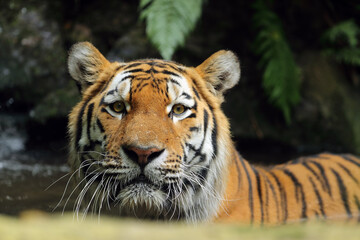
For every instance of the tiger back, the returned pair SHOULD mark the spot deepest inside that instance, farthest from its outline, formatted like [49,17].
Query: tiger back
[149,140]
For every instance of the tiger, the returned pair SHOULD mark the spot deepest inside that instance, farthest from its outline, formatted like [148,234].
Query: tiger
[149,140]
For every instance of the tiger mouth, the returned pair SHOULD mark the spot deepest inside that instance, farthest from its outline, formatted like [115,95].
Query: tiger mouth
[141,179]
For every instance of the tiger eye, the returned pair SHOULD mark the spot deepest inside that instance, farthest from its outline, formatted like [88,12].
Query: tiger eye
[118,106]
[178,109]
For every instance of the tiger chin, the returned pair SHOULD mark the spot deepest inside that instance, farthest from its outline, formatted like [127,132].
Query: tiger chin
[149,140]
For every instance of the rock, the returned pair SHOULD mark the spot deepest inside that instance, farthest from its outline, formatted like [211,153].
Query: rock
[32,61]
[330,105]
[133,45]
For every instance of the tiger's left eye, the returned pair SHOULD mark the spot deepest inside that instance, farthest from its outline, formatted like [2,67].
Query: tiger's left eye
[118,106]
[178,109]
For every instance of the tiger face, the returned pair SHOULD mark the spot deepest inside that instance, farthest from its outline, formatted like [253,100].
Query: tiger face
[148,137]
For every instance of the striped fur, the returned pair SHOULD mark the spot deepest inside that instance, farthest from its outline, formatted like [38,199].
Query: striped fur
[194,173]
[324,186]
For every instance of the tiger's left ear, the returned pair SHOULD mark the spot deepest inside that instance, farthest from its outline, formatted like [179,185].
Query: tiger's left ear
[85,64]
[221,71]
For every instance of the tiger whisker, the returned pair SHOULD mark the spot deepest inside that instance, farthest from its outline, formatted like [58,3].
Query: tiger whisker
[83,192]
[65,189]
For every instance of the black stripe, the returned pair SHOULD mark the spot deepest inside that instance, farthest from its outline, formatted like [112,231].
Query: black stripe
[197,153]
[194,106]
[266,201]
[175,82]
[102,101]
[111,92]
[298,188]
[176,68]
[89,117]
[196,93]
[107,84]
[237,158]
[251,204]
[258,184]
[110,79]
[79,124]
[185,156]
[206,121]
[348,172]
[142,78]
[144,85]
[283,197]
[192,115]
[274,196]
[170,73]
[323,174]
[306,165]
[126,78]
[187,96]
[101,127]
[130,91]
[343,192]
[202,176]
[214,137]
[134,70]
[152,71]
[104,110]
[186,182]
[318,196]
[193,129]
[295,182]
[349,159]
[132,65]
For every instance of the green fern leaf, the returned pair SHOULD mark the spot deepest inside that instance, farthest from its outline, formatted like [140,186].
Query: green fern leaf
[345,53]
[281,77]
[168,22]
[347,29]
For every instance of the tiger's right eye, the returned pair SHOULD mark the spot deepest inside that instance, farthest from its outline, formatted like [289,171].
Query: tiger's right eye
[178,109]
[118,106]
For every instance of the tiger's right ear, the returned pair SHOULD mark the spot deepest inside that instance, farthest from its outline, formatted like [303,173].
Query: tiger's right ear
[85,63]
[221,71]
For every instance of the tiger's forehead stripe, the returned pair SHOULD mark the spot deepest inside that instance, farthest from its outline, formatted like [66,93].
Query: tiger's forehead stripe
[119,87]
[149,70]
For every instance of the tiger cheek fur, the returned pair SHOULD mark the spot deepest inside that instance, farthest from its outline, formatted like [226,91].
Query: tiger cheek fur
[149,139]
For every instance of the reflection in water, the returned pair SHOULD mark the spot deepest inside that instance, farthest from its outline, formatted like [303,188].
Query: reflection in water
[25,176]
[11,139]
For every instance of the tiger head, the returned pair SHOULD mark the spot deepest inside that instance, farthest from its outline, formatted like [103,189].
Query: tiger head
[149,137]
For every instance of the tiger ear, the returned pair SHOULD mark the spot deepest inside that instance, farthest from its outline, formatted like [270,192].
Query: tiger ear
[221,71]
[85,63]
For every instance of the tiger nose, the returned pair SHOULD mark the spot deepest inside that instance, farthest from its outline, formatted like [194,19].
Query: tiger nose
[142,156]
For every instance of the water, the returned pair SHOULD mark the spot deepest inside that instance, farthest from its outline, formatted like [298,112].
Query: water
[26,175]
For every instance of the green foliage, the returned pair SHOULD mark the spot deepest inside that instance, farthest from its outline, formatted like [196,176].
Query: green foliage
[281,78]
[344,42]
[347,29]
[169,22]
